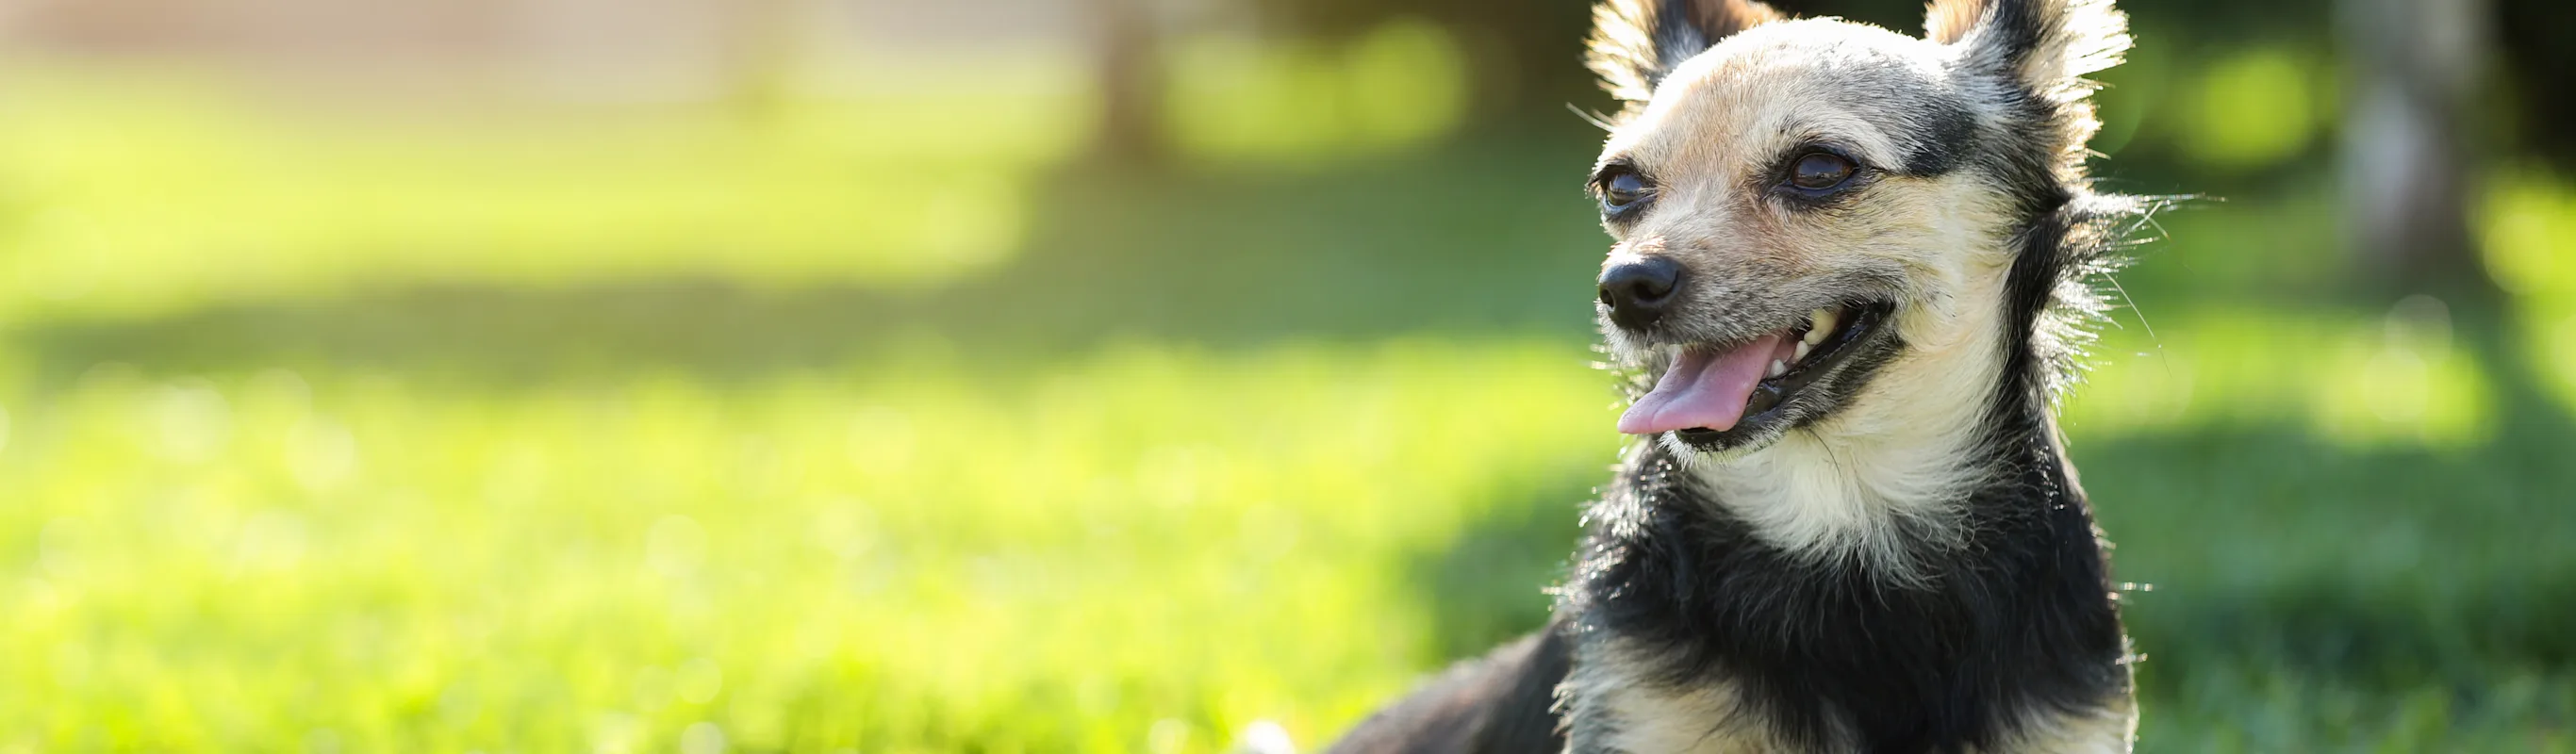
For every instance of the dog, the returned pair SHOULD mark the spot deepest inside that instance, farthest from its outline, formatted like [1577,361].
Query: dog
[1852,276]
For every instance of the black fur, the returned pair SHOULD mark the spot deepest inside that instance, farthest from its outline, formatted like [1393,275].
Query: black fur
[2019,625]
[2014,149]
[1944,133]
[1677,38]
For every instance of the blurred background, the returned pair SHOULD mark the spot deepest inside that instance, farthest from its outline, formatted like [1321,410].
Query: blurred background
[1119,375]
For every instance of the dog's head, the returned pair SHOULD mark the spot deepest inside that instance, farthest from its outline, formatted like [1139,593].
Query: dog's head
[1803,207]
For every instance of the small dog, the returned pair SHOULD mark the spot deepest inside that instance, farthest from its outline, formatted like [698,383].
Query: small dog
[1859,262]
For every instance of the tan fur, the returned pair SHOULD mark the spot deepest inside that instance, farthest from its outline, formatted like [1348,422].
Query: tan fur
[1945,21]
[1893,450]
[1613,705]
[2109,730]
[1712,126]
[1726,17]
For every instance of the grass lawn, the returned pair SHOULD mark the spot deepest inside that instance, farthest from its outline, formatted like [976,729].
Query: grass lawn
[1170,457]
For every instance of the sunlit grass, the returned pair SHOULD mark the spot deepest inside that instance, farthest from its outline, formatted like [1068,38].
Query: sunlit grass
[929,559]
[2353,380]
[2527,225]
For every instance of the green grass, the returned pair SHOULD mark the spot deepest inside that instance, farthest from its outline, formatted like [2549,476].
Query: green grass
[915,558]
[1169,456]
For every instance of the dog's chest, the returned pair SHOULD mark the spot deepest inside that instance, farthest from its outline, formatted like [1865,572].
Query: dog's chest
[1615,703]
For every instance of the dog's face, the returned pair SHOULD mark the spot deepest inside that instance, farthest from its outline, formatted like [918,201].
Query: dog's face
[1806,208]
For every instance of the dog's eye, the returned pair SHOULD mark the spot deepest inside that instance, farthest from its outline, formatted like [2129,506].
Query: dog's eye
[1818,171]
[1621,190]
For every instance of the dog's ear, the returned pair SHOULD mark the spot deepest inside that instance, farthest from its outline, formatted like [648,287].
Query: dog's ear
[2045,46]
[1635,42]
[2036,52]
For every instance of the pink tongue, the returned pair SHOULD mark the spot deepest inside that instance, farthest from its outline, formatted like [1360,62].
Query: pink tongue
[1703,389]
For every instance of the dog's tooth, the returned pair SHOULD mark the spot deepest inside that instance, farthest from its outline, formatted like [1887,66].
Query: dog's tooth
[1821,325]
[1803,348]
[1778,368]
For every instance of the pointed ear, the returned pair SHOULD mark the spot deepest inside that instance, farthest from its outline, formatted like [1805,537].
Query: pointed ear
[1635,42]
[2046,46]
[2031,57]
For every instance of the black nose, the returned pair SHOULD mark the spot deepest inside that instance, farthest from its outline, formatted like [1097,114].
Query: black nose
[1638,292]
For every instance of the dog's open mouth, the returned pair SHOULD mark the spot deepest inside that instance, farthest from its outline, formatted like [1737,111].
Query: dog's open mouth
[1711,389]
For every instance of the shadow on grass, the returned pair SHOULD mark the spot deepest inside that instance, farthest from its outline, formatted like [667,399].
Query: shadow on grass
[1488,586]
[1490,235]
[1479,238]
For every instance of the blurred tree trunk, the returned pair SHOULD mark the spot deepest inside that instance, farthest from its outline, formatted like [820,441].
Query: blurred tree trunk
[2540,64]
[1130,82]
[2408,174]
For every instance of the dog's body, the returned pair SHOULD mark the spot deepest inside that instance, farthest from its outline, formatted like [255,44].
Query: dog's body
[1857,260]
